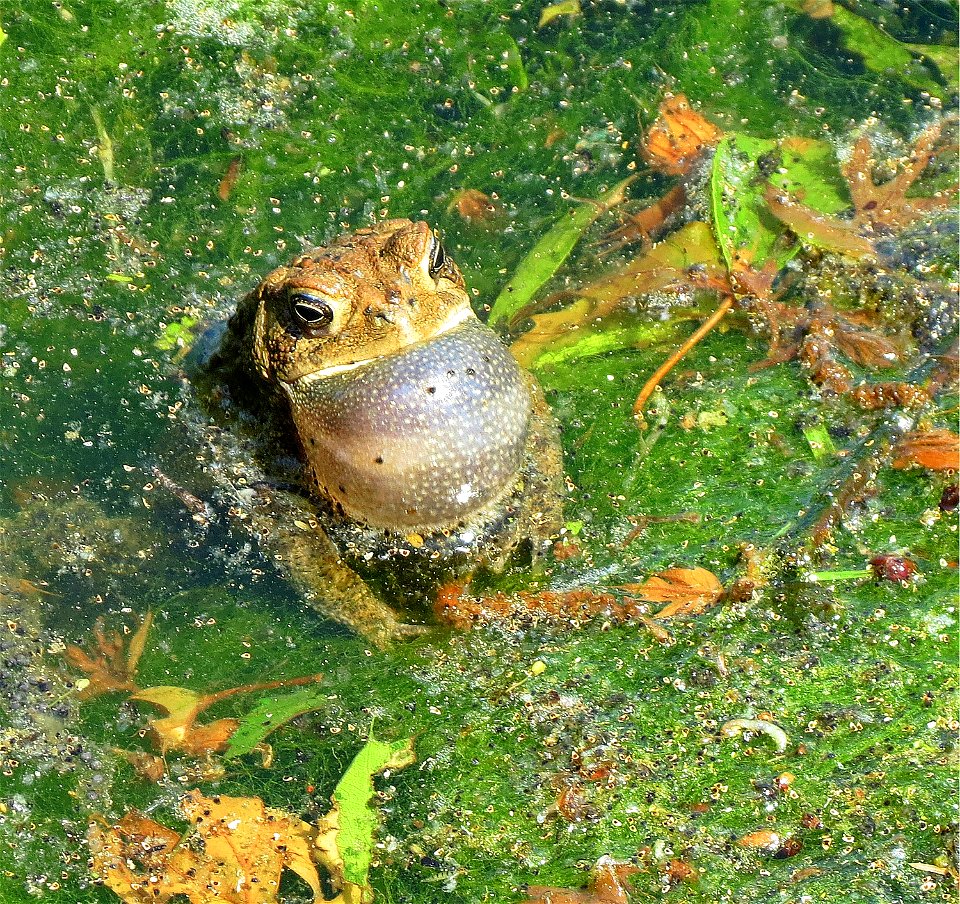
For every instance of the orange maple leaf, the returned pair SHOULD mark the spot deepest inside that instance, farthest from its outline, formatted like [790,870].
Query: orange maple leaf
[687,591]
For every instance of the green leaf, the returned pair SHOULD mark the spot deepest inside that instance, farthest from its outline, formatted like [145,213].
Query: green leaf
[820,442]
[358,821]
[549,253]
[746,231]
[180,332]
[268,715]
[809,171]
[946,59]
[880,52]
[612,333]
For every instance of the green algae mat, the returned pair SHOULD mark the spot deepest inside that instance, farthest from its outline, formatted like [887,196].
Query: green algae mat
[733,678]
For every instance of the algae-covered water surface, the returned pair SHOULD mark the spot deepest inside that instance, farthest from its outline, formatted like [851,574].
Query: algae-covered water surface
[733,677]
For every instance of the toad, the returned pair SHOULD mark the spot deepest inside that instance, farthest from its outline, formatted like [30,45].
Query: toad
[423,451]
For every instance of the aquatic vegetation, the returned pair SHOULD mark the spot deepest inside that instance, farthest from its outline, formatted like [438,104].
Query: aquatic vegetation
[787,183]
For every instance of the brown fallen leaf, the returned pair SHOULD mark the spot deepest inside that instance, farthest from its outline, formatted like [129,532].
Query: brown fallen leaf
[239,849]
[112,662]
[678,136]
[938,450]
[687,591]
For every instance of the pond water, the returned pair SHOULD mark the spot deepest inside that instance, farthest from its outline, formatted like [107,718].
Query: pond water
[160,158]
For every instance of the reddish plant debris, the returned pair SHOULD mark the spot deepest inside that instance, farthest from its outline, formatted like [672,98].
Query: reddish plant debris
[882,396]
[225,188]
[949,498]
[648,222]
[608,885]
[811,821]
[112,661]
[892,567]
[453,607]
[475,207]
[678,871]
[937,450]
[790,848]
[565,548]
[572,803]
[765,840]
[885,206]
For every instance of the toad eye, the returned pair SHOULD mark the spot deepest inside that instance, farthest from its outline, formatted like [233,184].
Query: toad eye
[310,310]
[438,257]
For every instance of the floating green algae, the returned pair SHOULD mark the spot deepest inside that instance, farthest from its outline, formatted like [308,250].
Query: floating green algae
[162,157]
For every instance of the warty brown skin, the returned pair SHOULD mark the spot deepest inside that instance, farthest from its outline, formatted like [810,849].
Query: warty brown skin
[425,444]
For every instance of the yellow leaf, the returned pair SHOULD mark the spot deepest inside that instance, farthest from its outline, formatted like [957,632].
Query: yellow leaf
[243,848]
[555,10]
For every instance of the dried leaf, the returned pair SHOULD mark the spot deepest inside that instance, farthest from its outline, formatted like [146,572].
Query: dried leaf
[244,847]
[678,137]
[225,188]
[687,591]
[177,730]
[938,450]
